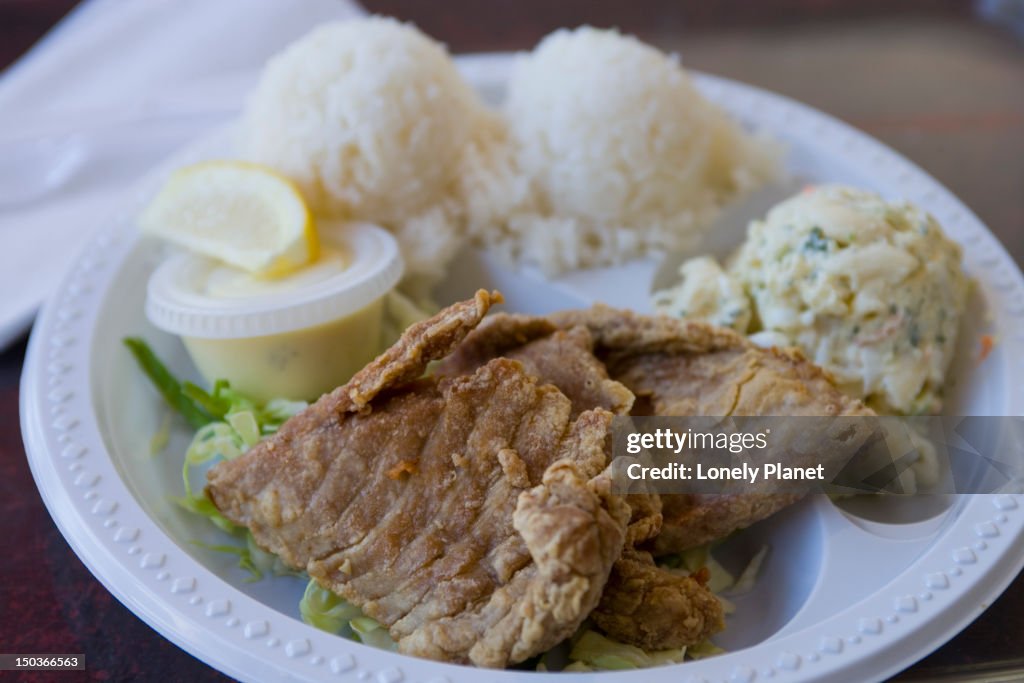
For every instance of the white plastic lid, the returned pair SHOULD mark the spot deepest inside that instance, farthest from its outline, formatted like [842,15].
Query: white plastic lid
[193,296]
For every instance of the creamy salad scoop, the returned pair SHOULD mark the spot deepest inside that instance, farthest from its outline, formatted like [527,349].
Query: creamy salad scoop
[871,290]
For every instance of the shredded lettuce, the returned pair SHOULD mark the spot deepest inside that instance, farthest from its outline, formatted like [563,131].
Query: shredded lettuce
[597,652]
[704,649]
[213,403]
[277,411]
[266,562]
[168,386]
[252,558]
[215,442]
[720,579]
[162,436]
[242,553]
[200,407]
[694,558]
[245,426]
[748,577]
[327,611]
[373,633]
[227,424]
[203,506]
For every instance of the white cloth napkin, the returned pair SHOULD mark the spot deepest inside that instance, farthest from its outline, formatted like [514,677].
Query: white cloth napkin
[114,88]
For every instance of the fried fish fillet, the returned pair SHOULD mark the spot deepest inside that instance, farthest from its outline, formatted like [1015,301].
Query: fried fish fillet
[678,367]
[561,357]
[472,516]
[642,604]
[656,609]
[673,367]
[565,359]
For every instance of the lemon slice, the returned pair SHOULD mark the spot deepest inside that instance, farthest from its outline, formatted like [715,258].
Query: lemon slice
[244,214]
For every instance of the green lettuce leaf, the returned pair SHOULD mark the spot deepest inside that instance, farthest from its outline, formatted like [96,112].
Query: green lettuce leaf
[601,653]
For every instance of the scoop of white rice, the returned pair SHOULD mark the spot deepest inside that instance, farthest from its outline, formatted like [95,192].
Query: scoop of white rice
[623,155]
[371,119]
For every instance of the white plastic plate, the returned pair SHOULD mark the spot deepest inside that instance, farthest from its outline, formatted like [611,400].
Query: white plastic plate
[846,594]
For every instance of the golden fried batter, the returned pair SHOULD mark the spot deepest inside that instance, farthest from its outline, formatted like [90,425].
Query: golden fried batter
[495,540]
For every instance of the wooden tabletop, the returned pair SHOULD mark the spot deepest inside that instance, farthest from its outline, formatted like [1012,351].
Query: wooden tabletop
[928,78]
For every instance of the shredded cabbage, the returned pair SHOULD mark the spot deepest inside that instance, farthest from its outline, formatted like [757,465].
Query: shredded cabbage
[599,653]
[327,611]
[252,558]
[373,633]
[245,423]
[162,436]
[203,506]
[694,558]
[704,649]
[266,562]
[719,578]
[244,559]
[227,424]
[277,411]
[745,583]
[214,442]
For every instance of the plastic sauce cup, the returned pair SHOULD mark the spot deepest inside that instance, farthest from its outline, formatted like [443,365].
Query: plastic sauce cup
[294,337]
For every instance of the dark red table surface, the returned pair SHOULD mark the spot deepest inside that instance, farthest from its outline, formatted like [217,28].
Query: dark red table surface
[929,78]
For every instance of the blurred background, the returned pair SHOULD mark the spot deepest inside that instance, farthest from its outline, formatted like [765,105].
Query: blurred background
[940,81]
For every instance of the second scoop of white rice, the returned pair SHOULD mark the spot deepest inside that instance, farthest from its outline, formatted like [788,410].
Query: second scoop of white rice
[623,154]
